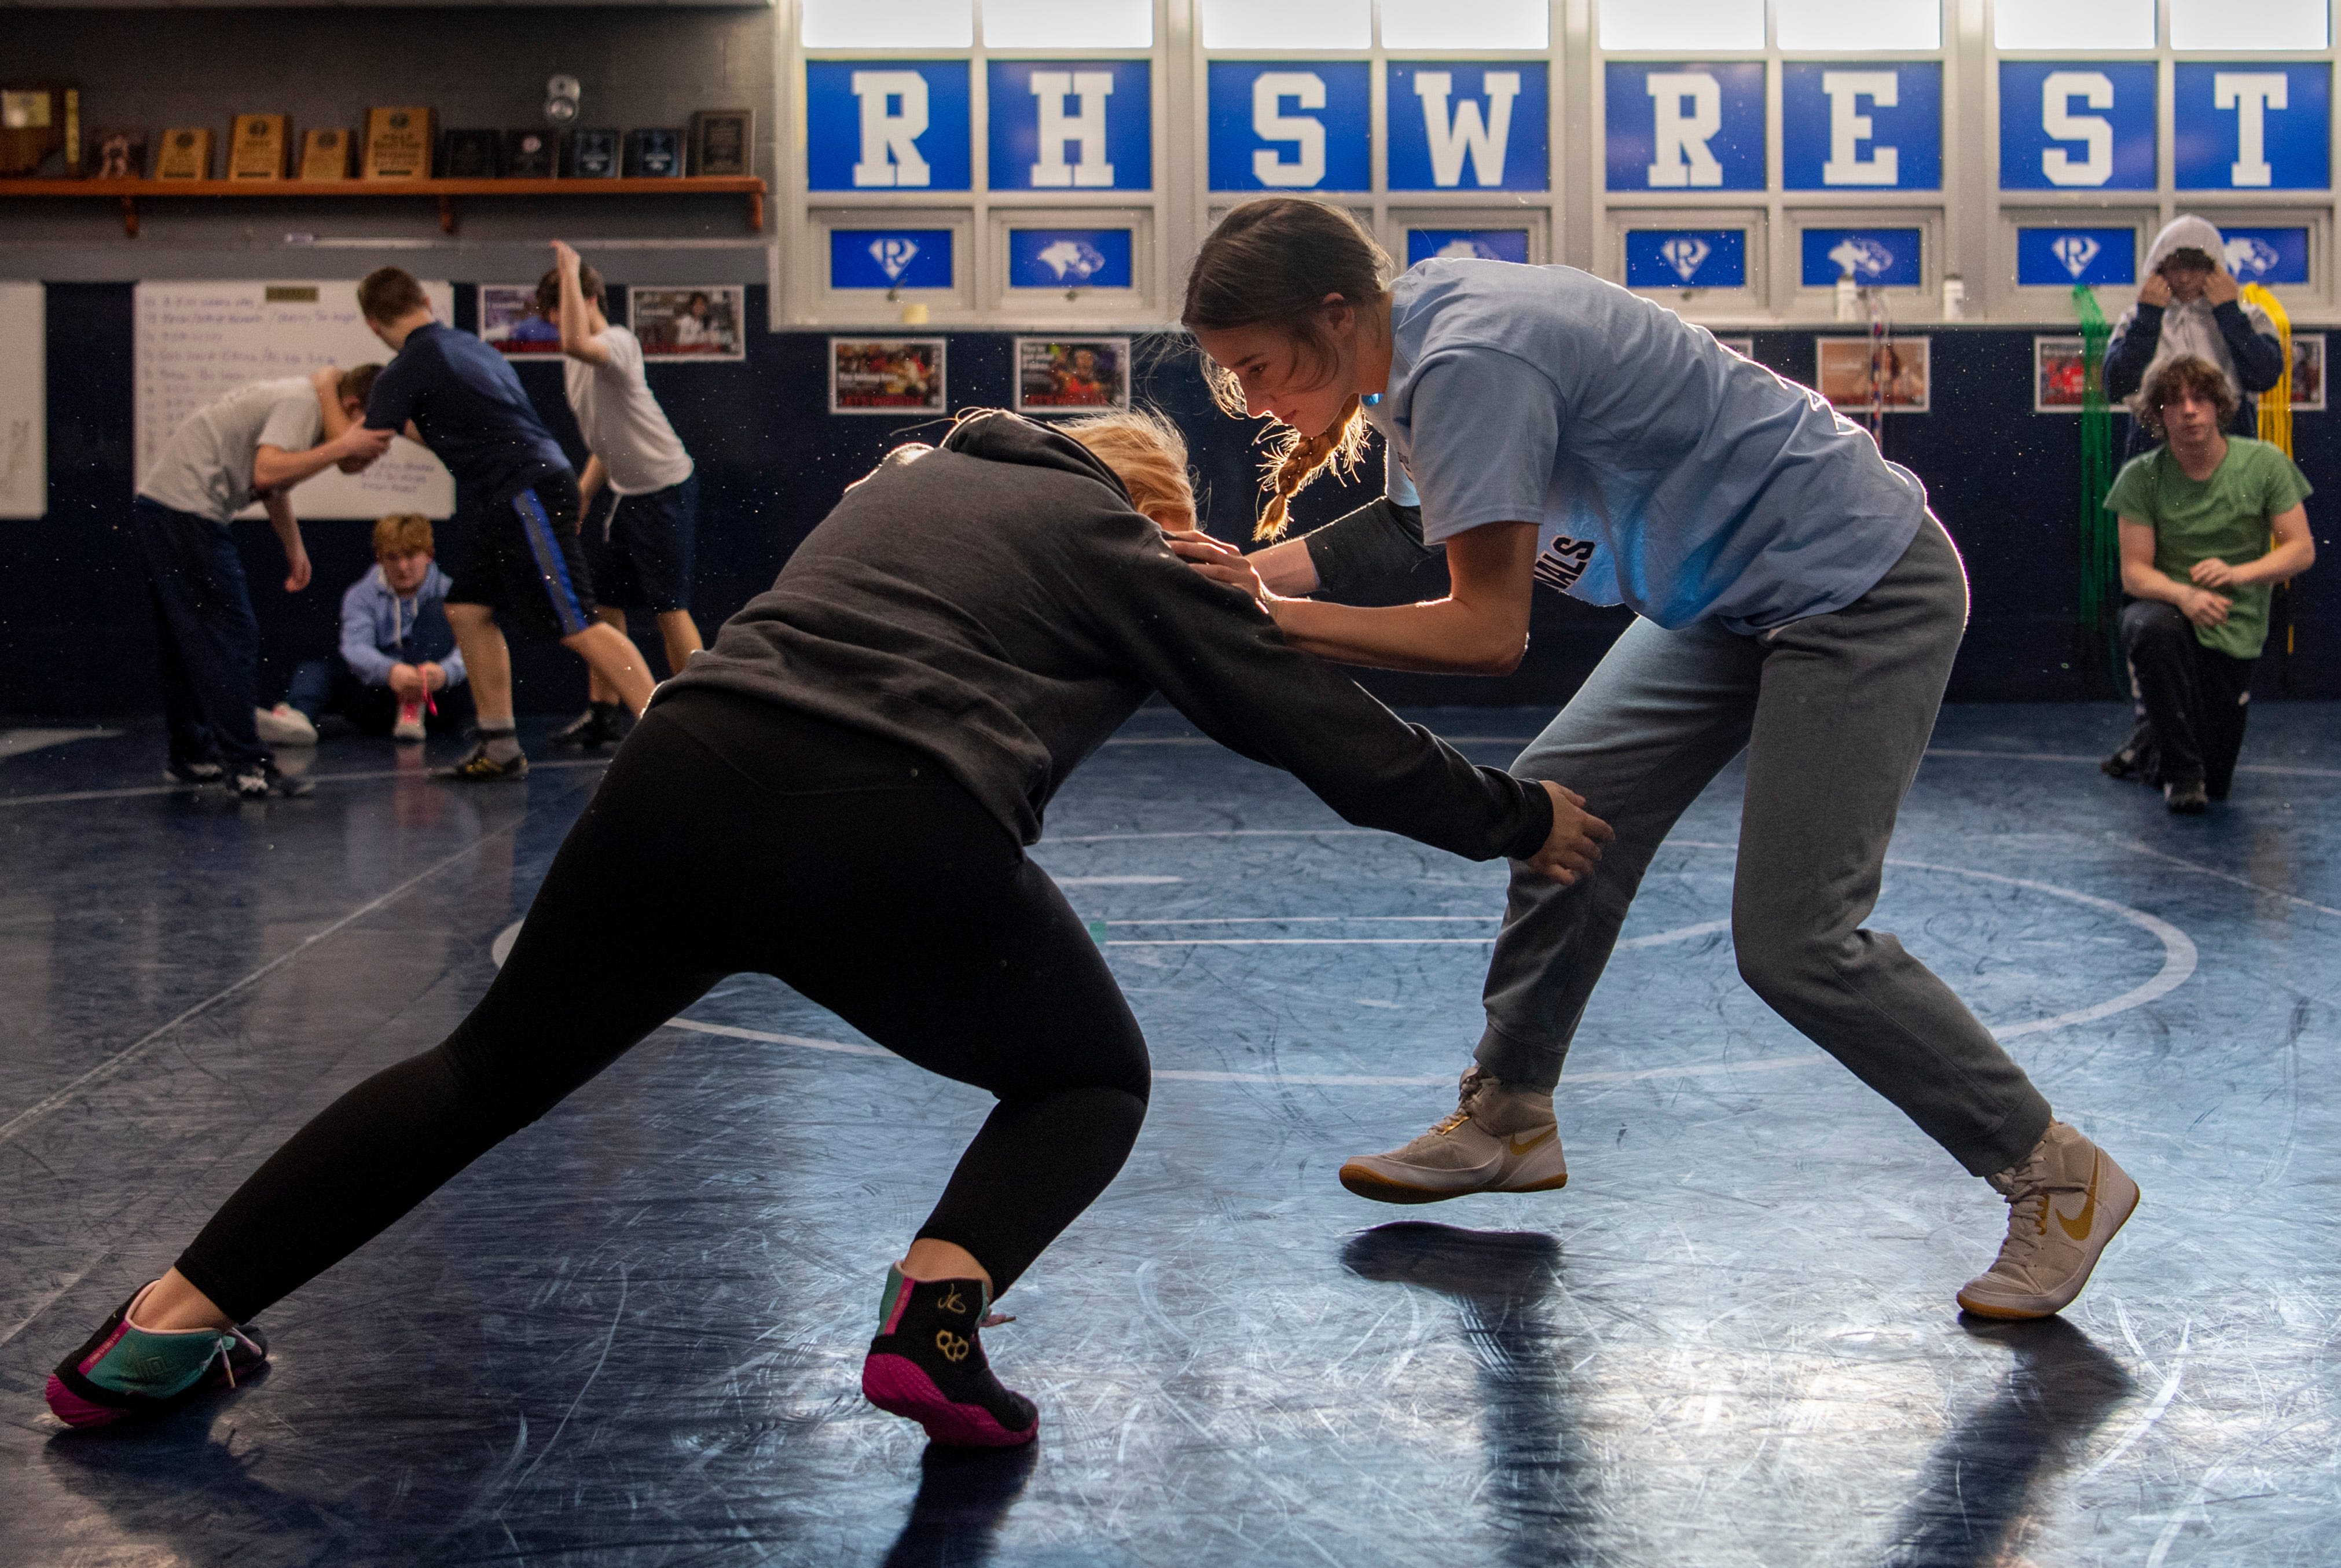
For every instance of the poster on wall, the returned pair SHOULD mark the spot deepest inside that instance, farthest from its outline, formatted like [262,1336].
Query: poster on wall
[23,401]
[690,323]
[2309,372]
[511,324]
[1851,369]
[1071,375]
[1744,347]
[2058,375]
[886,375]
[195,343]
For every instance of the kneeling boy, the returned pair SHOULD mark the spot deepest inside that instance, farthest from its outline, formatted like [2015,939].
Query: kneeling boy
[399,665]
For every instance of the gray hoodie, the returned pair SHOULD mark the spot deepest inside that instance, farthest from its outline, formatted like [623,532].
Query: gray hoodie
[996,604]
[2237,337]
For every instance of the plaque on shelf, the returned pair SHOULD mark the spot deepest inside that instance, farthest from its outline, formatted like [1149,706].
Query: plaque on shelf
[590,154]
[259,146]
[117,153]
[32,125]
[530,156]
[325,155]
[471,154]
[653,154]
[724,141]
[186,154]
[399,144]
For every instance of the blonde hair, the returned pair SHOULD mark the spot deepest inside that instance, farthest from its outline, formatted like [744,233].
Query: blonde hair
[1271,262]
[401,533]
[1148,455]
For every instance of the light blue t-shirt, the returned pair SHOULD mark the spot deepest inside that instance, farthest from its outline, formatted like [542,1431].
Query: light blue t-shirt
[1662,470]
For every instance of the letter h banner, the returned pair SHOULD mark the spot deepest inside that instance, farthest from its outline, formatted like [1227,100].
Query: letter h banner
[1058,127]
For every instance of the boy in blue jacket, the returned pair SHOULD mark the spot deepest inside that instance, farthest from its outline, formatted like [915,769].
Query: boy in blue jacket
[399,658]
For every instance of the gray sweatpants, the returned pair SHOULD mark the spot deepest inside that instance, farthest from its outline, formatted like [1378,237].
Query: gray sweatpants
[1834,712]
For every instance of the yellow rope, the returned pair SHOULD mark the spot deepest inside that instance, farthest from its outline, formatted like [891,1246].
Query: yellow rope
[2276,403]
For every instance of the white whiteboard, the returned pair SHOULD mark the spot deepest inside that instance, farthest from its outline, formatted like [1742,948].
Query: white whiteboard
[23,401]
[198,341]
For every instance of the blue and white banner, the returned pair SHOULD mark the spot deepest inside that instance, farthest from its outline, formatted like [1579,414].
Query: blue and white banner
[2059,258]
[1856,127]
[1467,244]
[1684,127]
[2256,127]
[2265,255]
[891,259]
[1877,258]
[2086,125]
[1063,126]
[1069,259]
[1686,258]
[1454,126]
[1299,126]
[887,126]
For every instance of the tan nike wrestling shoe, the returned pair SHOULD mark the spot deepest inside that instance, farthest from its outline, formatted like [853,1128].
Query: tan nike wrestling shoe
[1502,1138]
[2065,1201]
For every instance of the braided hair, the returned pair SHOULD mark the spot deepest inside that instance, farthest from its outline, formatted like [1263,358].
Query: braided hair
[1271,262]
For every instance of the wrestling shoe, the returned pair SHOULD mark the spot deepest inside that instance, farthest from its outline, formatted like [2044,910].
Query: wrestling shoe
[259,783]
[410,721]
[928,1364]
[2048,1253]
[122,1372]
[2187,799]
[285,725]
[194,775]
[1501,1137]
[479,768]
[591,729]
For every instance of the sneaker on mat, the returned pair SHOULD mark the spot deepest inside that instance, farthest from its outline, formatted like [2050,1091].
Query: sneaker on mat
[2065,1201]
[589,729]
[479,768]
[410,722]
[927,1364]
[259,783]
[195,775]
[122,1371]
[285,725]
[1501,1137]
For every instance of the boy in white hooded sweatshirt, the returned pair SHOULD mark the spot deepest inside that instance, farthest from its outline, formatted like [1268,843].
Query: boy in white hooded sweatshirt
[2189,304]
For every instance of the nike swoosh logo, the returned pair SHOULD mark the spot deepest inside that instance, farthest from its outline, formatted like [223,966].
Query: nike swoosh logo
[1541,1138]
[2078,1229]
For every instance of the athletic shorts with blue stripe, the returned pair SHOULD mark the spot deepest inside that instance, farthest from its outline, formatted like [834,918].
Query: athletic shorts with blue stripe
[522,560]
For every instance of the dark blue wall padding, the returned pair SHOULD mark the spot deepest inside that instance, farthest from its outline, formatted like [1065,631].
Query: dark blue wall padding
[76,635]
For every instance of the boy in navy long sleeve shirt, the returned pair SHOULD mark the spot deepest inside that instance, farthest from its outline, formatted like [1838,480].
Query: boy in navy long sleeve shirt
[515,490]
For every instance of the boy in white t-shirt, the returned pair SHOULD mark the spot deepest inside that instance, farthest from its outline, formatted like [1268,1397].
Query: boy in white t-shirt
[638,547]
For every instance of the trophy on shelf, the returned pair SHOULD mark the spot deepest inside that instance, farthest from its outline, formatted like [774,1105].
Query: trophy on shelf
[724,141]
[186,154]
[471,154]
[38,121]
[259,146]
[117,153]
[399,144]
[589,155]
[532,155]
[325,155]
[653,154]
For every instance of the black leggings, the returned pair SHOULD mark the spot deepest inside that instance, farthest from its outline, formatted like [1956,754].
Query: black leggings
[852,869]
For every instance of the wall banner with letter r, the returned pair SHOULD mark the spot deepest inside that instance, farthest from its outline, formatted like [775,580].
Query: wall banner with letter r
[1686,127]
[1850,126]
[2077,125]
[1306,125]
[1457,125]
[1062,125]
[887,126]
[2262,126]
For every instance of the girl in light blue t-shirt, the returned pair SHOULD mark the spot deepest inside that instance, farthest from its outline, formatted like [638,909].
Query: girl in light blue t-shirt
[1795,601]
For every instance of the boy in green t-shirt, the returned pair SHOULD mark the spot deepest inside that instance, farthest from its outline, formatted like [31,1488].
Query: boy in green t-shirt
[2208,521]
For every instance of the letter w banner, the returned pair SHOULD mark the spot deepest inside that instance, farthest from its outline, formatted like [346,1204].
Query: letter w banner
[1456,126]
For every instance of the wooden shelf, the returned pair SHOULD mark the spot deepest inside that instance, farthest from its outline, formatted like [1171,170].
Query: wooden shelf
[444,192]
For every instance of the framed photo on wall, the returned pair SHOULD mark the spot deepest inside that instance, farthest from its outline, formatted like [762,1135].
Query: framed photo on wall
[699,322]
[1846,372]
[2058,375]
[886,375]
[1071,375]
[1744,347]
[2309,372]
[511,324]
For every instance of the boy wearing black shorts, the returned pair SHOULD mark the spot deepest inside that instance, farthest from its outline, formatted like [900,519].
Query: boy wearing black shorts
[639,546]
[514,487]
